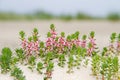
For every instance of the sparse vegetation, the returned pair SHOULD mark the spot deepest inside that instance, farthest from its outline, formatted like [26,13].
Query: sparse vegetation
[71,50]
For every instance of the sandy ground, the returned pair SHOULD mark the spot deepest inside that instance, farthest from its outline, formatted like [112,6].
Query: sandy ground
[9,38]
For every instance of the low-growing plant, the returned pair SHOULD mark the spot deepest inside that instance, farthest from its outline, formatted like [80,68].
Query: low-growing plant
[62,60]
[20,54]
[17,74]
[48,57]
[109,68]
[39,67]
[49,70]
[31,62]
[14,61]
[86,62]
[5,60]
[42,49]
[95,64]
[70,64]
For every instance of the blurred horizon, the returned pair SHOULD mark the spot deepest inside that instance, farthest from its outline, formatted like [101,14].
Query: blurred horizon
[99,8]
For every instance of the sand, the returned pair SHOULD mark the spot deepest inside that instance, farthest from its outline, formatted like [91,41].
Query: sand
[9,38]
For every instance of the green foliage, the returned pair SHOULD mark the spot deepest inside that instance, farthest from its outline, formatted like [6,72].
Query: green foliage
[42,15]
[39,67]
[61,59]
[17,74]
[77,33]
[52,27]
[113,37]
[20,54]
[5,60]
[31,62]
[104,51]
[48,34]
[50,66]
[48,57]
[68,38]
[95,64]
[22,35]
[30,39]
[65,17]
[70,64]
[92,34]
[35,34]
[82,16]
[42,44]
[113,17]
[118,38]
[84,37]
[86,62]
[63,34]
[14,61]
[35,30]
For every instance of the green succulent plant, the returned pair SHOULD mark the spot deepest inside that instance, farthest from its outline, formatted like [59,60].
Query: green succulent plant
[5,60]
[39,67]
[31,62]
[61,59]
[20,54]
[22,35]
[17,74]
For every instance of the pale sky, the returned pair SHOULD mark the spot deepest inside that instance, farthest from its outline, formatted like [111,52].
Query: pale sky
[92,7]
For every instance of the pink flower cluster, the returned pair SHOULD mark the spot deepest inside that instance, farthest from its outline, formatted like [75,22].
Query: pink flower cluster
[83,43]
[59,43]
[50,42]
[30,47]
[92,46]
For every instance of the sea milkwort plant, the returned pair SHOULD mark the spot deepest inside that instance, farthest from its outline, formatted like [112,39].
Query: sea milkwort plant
[70,64]
[5,60]
[17,74]
[42,49]
[30,45]
[112,43]
[95,65]
[20,54]
[48,57]
[109,68]
[51,39]
[49,70]
[31,62]
[92,44]
[62,60]
[40,66]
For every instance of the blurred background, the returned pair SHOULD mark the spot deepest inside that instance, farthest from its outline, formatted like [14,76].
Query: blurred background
[101,16]
[59,9]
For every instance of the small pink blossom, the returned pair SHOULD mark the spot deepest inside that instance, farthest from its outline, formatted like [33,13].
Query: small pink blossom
[83,43]
[90,50]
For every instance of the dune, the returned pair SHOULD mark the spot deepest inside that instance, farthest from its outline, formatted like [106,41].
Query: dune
[9,37]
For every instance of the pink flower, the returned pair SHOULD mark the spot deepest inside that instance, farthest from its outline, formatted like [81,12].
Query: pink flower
[83,43]
[24,44]
[61,41]
[53,34]
[48,42]
[77,42]
[68,44]
[92,40]
[90,50]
